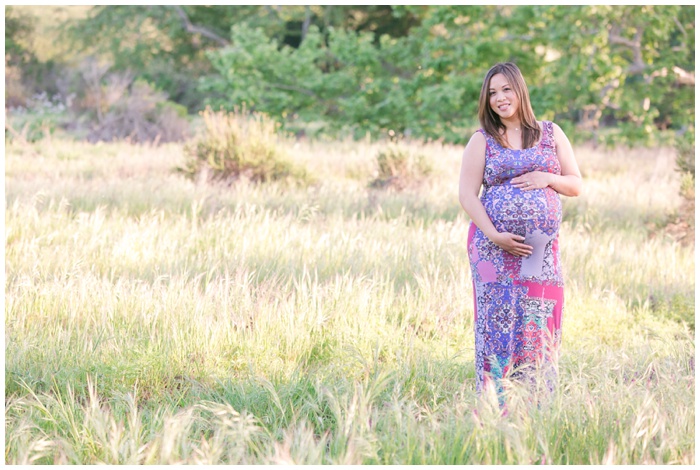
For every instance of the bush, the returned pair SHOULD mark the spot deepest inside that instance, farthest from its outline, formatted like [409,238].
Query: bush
[685,163]
[685,152]
[399,168]
[141,114]
[40,117]
[99,105]
[15,89]
[120,108]
[237,145]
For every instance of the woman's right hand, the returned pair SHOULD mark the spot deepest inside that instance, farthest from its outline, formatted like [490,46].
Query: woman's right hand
[513,244]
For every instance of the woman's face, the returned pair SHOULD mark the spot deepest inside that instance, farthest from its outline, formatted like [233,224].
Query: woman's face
[502,97]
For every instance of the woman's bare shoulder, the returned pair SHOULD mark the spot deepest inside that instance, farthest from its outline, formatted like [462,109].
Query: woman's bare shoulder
[478,136]
[476,147]
[477,140]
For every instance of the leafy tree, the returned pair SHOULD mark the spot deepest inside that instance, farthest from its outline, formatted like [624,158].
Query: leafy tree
[163,44]
[589,65]
[167,45]
[621,65]
[341,82]
[25,75]
[18,28]
[612,73]
[425,84]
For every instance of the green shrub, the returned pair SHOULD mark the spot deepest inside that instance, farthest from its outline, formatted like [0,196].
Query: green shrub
[399,167]
[685,163]
[237,145]
[688,185]
[685,152]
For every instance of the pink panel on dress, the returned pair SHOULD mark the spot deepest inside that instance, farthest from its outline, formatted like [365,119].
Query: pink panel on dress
[487,271]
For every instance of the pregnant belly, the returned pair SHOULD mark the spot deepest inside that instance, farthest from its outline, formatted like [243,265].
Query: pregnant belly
[534,214]
[523,212]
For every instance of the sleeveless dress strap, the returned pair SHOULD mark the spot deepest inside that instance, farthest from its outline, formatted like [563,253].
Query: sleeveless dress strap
[548,133]
[488,139]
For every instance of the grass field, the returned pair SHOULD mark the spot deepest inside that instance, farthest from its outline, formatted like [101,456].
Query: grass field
[153,319]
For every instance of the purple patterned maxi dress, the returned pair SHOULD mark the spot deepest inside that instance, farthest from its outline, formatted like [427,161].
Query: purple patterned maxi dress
[517,301]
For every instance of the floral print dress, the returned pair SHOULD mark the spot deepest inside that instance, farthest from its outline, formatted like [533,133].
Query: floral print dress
[517,301]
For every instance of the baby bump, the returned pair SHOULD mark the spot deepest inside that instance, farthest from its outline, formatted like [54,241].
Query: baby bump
[535,215]
[523,212]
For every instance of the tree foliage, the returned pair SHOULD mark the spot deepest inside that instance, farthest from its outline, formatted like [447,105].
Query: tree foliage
[18,28]
[616,74]
[166,45]
[628,66]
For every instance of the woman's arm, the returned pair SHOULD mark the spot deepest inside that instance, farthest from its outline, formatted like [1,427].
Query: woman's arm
[569,183]
[470,177]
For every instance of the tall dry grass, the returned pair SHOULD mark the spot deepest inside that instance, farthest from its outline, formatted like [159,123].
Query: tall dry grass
[154,319]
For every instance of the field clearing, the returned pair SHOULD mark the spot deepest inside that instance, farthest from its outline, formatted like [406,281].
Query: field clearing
[153,319]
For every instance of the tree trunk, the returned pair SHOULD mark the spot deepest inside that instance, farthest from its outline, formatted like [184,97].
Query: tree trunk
[306,24]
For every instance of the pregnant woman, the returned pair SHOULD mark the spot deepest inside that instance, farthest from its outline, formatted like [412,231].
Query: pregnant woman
[523,166]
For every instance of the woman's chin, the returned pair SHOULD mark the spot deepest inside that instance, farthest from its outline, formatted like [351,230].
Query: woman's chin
[507,115]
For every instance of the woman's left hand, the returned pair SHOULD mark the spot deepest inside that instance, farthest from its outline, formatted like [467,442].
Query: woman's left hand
[532,180]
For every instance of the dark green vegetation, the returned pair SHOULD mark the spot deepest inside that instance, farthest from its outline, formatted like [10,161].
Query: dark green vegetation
[614,74]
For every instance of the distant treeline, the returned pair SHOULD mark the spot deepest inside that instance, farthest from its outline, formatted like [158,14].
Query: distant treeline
[616,74]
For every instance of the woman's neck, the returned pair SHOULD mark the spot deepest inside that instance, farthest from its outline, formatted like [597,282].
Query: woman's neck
[512,125]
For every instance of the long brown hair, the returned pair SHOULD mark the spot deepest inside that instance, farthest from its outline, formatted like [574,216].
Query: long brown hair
[491,122]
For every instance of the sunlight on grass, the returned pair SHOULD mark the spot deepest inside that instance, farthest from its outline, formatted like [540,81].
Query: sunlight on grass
[153,319]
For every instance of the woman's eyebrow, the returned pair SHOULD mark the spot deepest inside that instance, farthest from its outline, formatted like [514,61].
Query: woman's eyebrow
[505,85]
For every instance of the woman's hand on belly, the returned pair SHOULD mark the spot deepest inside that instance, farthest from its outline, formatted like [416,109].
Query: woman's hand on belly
[532,180]
[512,243]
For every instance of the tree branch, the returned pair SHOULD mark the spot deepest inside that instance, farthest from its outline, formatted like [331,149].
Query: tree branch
[683,77]
[680,26]
[307,22]
[194,29]
[637,66]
